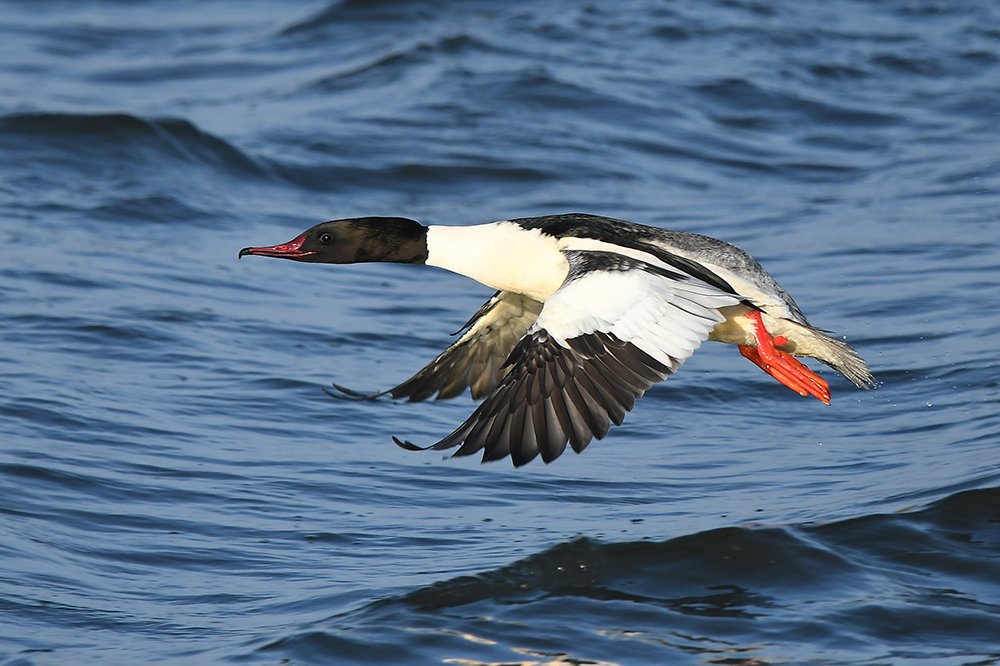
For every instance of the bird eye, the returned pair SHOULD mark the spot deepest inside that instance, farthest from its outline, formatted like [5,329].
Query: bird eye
[326,239]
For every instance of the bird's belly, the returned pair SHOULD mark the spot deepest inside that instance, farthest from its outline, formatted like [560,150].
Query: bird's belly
[738,329]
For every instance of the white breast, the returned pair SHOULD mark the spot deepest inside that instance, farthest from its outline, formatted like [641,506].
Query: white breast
[501,255]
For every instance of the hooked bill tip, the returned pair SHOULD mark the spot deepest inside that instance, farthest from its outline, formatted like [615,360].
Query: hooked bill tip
[290,250]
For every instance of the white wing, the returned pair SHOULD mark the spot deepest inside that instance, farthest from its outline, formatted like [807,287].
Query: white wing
[616,326]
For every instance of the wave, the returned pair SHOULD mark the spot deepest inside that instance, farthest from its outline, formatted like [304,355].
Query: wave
[123,145]
[955,533]
[362,10]
[118,136]
[416,177]
[883,586]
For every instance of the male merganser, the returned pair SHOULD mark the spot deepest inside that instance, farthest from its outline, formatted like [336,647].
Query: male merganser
[589,313]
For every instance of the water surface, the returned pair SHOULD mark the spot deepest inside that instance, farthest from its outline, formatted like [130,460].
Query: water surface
[176,487]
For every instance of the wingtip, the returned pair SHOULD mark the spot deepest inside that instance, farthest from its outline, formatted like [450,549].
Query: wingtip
[408,446]
[344,393]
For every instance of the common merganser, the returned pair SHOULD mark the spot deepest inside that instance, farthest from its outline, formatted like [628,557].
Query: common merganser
[589,313]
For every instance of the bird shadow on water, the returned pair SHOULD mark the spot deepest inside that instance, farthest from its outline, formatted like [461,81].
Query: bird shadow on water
[735,595]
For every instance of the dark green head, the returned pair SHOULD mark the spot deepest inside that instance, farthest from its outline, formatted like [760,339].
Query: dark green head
[354,240]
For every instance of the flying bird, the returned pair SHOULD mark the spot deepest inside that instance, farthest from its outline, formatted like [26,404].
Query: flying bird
[588,314]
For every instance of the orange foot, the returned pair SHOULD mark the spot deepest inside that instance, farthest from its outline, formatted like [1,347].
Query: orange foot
[783,367]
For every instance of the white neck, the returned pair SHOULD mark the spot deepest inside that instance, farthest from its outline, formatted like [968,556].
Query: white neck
[501,255]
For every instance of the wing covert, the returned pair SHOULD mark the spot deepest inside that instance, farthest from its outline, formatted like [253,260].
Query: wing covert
[476,359]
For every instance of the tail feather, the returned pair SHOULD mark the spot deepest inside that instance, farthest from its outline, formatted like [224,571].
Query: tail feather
[839,356]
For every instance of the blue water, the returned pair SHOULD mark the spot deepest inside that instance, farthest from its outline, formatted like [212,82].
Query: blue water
[175,486]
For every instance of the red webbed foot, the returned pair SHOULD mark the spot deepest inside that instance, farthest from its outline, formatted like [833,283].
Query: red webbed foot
[782,366]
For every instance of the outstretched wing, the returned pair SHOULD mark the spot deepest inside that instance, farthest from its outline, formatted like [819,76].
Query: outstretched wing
[475,360]
[615,327]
